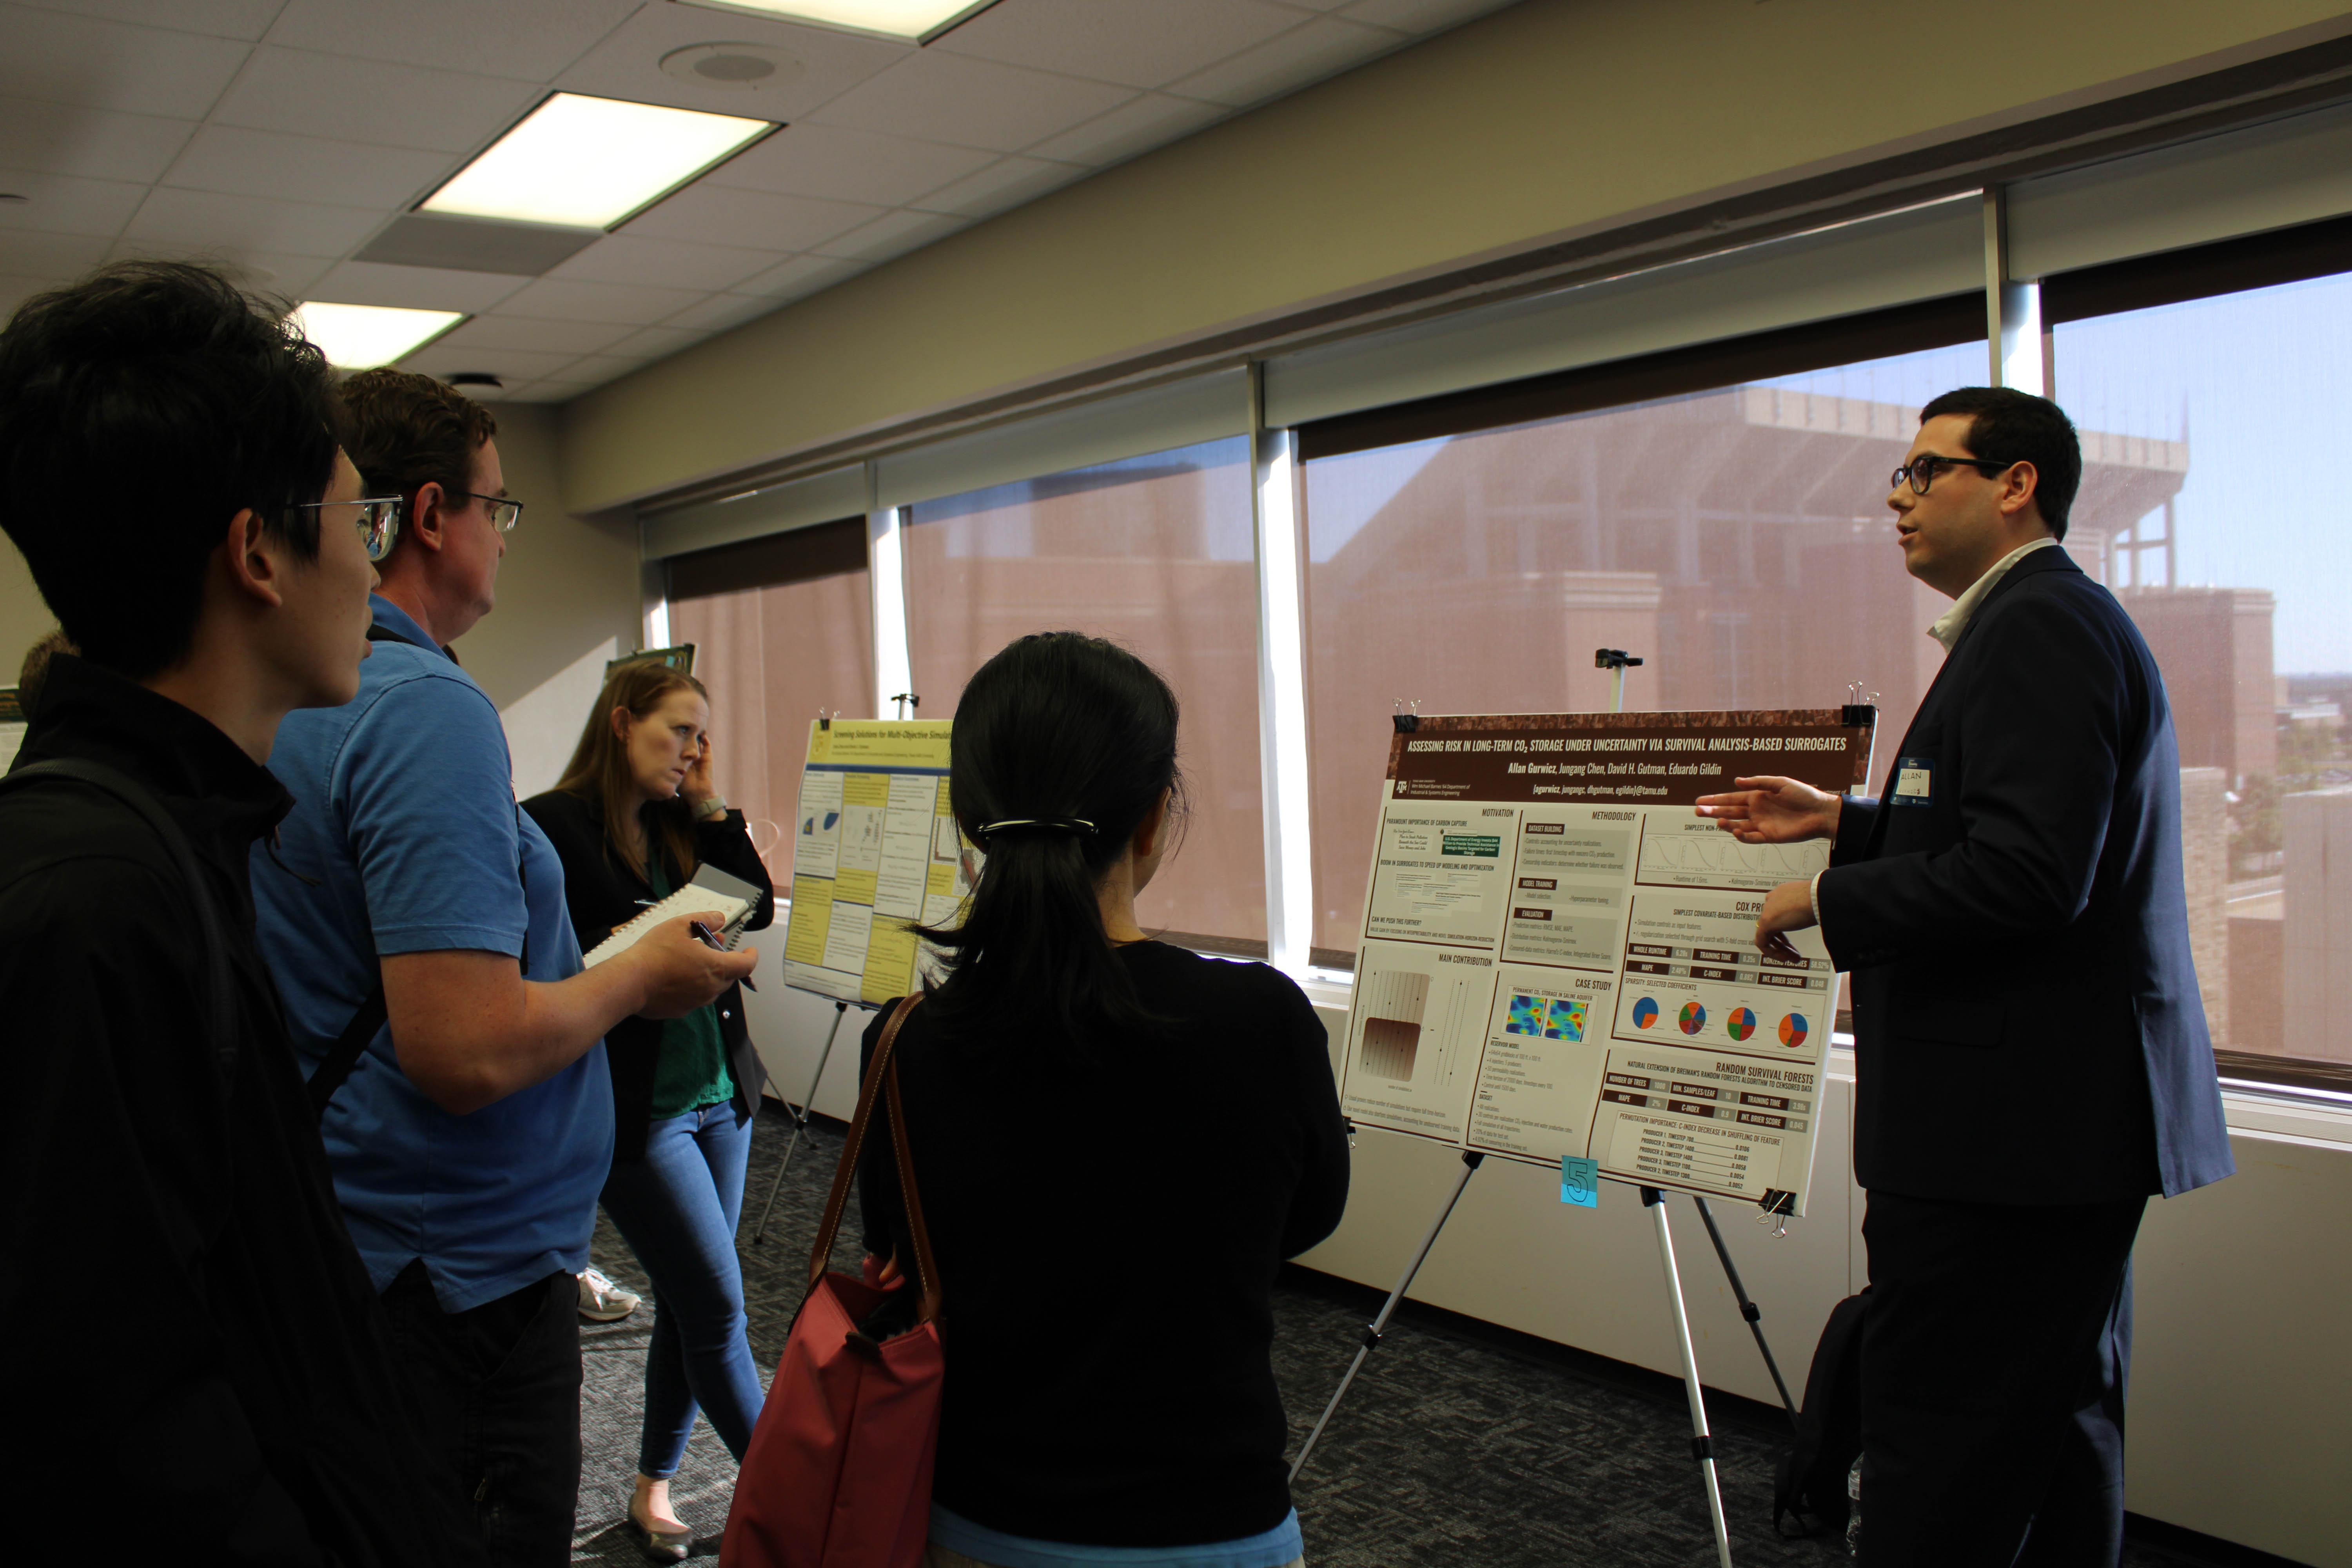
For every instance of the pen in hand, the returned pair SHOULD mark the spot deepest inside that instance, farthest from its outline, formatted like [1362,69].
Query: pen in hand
[708,938]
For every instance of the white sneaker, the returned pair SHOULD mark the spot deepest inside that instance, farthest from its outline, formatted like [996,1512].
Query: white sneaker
[602,1302]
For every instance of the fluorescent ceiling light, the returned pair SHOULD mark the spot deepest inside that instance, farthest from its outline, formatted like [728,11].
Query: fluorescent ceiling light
[912,21]
[356,337]
[590,162]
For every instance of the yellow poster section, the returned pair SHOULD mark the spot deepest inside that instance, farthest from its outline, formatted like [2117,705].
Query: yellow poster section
[891,943]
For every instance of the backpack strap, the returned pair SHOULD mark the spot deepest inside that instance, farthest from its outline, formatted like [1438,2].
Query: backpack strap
[344,1054]
[219,983]
[882,1082]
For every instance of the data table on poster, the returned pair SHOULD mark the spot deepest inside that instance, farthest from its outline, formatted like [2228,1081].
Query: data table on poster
[876,853]
[1558,956]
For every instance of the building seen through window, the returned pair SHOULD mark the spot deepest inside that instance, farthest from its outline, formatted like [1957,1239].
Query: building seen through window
[1156,555]
[2238,580]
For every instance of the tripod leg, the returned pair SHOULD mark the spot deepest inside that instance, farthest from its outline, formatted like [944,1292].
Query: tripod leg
[1372,1334]
[1702,1442]
[1749,1310]
[800,1120]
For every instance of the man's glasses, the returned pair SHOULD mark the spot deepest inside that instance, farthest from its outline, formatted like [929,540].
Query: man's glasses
[1920,472]
[378,521]
[504,513]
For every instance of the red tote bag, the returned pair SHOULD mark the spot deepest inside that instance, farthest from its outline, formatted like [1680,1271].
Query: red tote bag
[838,1474]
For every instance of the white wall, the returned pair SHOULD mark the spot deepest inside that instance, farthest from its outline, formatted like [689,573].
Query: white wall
[2241,1375]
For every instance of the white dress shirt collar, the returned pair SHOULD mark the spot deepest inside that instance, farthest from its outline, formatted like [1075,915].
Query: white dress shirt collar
[1954,621]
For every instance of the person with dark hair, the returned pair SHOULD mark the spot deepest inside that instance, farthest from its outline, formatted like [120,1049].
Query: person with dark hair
[34,673]
[2033,1058]
[634,815]
[1040,1080]
[415,920]
[198,1363]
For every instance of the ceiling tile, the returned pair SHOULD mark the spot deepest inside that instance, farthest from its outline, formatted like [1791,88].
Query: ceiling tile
[59,203]
[643,258]
[267,273]
[1420,17]
[1136,43]
[635,305]
[241,162]
[528,39]
[415,287]
[29,253]
[441,357]
[656,342]
[796,280]
[89,142]
[1002,185]
[973,103]
[1323,48]
[757,220]
[554,389]
[375,101]
[597,369]
[237,223]
[100,64]
[1149,121]
[501,331]
[846,165]
[14,292]
[721,312]
[893,233]
[627,64]
[218,19]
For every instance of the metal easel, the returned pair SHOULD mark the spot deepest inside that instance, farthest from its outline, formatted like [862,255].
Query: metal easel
[801,1116]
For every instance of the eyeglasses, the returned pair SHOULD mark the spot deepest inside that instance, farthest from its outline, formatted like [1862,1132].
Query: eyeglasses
[378,521]
[1920,471]
[504,513]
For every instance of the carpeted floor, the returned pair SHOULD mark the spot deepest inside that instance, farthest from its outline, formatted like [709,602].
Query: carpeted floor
[1459,1446]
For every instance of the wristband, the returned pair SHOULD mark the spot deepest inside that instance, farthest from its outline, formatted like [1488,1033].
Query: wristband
[716,806]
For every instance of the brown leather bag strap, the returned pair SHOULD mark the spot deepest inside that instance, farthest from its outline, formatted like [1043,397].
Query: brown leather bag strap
[845,1174]
[927,1271]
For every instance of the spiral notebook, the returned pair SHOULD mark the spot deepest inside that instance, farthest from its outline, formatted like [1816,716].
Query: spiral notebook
[712,888]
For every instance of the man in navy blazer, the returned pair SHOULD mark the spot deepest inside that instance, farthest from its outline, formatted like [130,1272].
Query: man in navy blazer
[2032,1059]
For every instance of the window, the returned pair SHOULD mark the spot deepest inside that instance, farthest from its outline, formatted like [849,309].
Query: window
[1156,555]
[781,626]
[1737,540]
[2213,521]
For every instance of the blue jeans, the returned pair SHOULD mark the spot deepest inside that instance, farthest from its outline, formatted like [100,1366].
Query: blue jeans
[678,1207]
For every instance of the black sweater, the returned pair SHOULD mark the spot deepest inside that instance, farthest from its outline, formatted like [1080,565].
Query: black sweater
[1107,1246]
[601,893]
[196,1363]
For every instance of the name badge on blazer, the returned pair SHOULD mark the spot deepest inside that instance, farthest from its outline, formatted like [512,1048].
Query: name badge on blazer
[1914,782]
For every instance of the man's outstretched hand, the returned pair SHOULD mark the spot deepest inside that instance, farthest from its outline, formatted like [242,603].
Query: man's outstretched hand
[1771,810]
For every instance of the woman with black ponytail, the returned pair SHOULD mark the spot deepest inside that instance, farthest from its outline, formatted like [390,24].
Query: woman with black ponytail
[1116,1141]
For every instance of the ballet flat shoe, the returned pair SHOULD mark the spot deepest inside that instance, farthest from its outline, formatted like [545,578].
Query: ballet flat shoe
[659,1545]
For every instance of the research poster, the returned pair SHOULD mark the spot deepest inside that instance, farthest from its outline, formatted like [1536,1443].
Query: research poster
[876,853]
[1558,955]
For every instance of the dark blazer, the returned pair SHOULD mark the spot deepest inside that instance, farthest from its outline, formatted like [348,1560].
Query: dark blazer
[602,893]
[2026,1011]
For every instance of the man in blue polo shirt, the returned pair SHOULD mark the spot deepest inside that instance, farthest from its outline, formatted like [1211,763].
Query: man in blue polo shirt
[412,907]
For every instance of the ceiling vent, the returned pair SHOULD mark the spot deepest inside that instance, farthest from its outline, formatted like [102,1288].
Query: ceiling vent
[739,67]
[476,245]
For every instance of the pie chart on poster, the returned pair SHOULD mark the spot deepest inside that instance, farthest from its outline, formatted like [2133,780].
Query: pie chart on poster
[1645,1012]
[1741,1023]
[1694,1017]
[1793,1029]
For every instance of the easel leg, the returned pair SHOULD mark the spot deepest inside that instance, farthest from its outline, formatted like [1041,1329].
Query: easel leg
[1702,1442]
[800,1120]
[1470,1162]
[1749,1310]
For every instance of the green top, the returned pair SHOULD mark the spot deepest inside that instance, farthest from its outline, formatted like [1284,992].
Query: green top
[691,1070]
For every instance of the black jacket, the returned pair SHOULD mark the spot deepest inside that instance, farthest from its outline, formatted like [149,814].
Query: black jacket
[196,1366]
[602,893]
[2026,1012]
